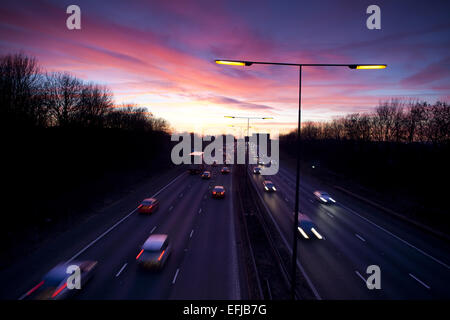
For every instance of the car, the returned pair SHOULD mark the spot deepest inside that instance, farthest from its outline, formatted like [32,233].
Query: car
[218,192]
[306,228]
[154,252]
[269,186]
[149,205]
[257,170]
[195,168]
[324,197]
[54,284]
[206,175]
[225,170]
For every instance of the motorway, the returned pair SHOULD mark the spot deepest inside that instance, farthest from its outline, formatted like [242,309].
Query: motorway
[413,264]
[203,262]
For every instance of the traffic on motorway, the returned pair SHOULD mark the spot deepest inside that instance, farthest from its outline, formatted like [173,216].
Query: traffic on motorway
[331,234]
[154,254]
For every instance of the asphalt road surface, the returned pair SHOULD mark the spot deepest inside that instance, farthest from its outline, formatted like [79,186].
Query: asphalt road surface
[413,263]
[202,265]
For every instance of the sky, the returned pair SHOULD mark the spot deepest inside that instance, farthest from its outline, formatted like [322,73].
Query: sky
[160,55]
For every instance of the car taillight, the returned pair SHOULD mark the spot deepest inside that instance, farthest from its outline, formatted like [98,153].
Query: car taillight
[35,288]
[137,257]
[59,290]
[140,206]
[160,256]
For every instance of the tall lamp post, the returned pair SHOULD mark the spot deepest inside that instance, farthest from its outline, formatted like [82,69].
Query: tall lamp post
[297,178]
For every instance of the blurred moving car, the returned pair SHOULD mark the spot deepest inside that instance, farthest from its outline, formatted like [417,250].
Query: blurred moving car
[54,284]
[218,192]
[195,168]
[324,197]
[225,170]
[307,228]
[257,170]
[149,205]
[269,186]
[206,175]
[154,252]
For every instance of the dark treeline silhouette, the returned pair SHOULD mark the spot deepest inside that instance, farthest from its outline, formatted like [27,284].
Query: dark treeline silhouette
[66,144]
[32,99]
[401,151]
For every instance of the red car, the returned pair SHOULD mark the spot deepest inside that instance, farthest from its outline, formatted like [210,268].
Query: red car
[225,170]
[218,192]
[149,205]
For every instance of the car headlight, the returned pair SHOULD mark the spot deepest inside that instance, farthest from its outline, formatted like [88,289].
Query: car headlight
[266,188]
[323,199]
[331,199]
[303,233]
[316,234]
[274,189]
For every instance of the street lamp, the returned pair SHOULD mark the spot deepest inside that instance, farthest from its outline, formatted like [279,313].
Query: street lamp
[297,180]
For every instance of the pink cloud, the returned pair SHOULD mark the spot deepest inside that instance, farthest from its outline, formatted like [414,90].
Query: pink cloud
[433,72]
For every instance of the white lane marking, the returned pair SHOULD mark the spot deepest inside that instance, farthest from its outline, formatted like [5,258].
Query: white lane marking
[419,281]
[171,207]
[120,221]
[360,238]
[200,210]
[181,195]
[101,236]
[121,269]
[175,277]
[286,199]
[192,232]
[398,238]
[329,214]
[153,230]
[359,275]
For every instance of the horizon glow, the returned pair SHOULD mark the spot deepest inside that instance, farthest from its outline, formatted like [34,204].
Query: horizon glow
[160,55]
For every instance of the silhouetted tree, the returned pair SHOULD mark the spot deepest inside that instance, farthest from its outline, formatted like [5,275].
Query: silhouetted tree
[62,97]
[20,86]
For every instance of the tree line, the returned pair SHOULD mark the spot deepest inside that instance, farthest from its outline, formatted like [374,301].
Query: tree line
[400,152]
[66,148]
[396,121]
[33,98]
